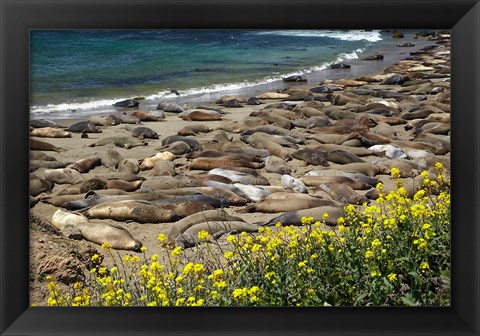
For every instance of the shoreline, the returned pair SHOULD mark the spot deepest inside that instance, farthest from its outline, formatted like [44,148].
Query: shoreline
[358,68]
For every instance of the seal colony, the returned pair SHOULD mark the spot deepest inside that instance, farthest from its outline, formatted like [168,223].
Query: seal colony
[242,163]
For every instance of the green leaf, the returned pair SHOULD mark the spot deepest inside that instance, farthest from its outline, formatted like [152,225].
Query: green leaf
[408,301]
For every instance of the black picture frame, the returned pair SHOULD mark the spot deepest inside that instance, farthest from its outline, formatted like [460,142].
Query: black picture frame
[18,17]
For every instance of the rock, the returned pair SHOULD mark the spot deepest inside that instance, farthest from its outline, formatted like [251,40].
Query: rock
[397,34]
[63,269]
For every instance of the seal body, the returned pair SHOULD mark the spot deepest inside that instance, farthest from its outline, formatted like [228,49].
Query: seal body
[50,132]
[84,127]
[116,236]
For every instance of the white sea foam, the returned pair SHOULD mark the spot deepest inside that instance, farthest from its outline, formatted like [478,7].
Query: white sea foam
[349,35]
[106,104]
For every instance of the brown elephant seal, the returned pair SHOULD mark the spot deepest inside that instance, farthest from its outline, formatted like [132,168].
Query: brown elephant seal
[215,229]
[109,120]
[342,157]
[232,127]
[293,183]
[295,217]
[44,146]
[37,155]
[50,132]
[177,148]
[286,204]
[361,167]
[124,142]
[85,165]
[124,185]
[311,157]
[59,200]
[137,211]
[129,165]
[129,177]
[241,177]
[167,182]
[148,116]
[35,164]
[219,154]
[200,179]
[202,163]
[144,133]
[84,187]
[193,129]
[84,127]
[314,181]
[358,151]
[164,168]
[342,193]
[62,219]
[272,95]
[63,176]
[277,165]
[114,235]
[128,103]
[39,185]
[262,141]
[149,163]
[202,115]
[224,99]
[225,196]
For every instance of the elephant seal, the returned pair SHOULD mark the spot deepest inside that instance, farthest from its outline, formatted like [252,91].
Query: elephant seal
[215,229]
[176,148]
[148,116]
[84,127]
[253,193]
[294,79]
[220,154]
[277,165]
[85,165]
[182,225]
[110,120]
[37,155]
[295,217]
[361,167]
[127,103]
[224,99]
[373,58]
[63,176]
[144,133]
[124,185]
[84,187]
[173,108]
[167,182]
[124,142]
[358,151]
[35,164]
[38,185]
[128,119]
[60,200]
[110,159]
[342,157]
[293,183]
[240,177]
[311,156]
[202,163]
[342,193]
[194,144]
[288,204]
[128,166]
[391,151]
[340,66]
[149,163]
[50,132]
[253,101]
[232,103]
[44,146]
[138,211]
[193,129]
[225,196]
[164,168]
[99,233]
[61,219]
[272,95]
[261,141]
[202,115]
[200,179]
[314,181]
[41,123]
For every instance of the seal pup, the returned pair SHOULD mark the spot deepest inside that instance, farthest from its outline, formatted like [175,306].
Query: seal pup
[391,151]
[193,129]
[253,193]
[63,176]
[99,233]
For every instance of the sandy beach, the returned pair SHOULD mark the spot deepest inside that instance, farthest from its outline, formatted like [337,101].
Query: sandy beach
[402,101]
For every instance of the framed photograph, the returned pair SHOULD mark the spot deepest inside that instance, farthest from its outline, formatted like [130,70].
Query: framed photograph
[238,168]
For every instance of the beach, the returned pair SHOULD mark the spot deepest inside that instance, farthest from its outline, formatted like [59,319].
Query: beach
[402,99]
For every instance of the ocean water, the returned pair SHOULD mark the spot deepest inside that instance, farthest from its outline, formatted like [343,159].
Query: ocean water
[86,71]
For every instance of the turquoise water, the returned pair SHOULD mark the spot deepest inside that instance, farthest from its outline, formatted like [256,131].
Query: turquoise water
[89,70]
